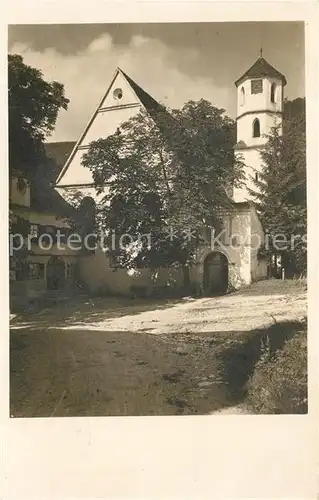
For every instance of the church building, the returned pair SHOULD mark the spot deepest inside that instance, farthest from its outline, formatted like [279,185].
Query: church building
[233,264]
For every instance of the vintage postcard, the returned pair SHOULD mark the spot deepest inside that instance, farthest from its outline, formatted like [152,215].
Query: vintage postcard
[158,228]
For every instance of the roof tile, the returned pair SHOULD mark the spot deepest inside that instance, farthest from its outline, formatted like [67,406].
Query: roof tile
[260,69]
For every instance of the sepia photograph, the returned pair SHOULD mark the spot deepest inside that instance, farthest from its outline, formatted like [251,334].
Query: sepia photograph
[157,219]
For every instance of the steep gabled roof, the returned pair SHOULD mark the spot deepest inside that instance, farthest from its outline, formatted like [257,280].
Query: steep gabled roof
[45,199]
[146,99]
[141,98]
[59,151]
[161,116]
[260,69]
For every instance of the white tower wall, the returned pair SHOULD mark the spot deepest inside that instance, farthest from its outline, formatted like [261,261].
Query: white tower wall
[261,101]
[252,106]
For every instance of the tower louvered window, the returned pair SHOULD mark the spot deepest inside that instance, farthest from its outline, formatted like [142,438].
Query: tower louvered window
[256,86]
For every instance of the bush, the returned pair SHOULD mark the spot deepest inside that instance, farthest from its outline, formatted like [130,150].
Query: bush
[300,283]
[279,382]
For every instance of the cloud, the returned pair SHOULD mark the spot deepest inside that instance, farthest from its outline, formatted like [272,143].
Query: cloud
[102,43]
[158,68]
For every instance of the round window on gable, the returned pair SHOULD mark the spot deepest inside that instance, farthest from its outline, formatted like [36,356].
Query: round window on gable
[118,94]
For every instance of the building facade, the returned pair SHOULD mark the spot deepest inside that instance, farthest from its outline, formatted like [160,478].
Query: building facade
[232,262]
[40,263]
[235,261]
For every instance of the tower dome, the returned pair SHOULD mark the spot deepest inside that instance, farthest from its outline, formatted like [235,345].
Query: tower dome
[261,69]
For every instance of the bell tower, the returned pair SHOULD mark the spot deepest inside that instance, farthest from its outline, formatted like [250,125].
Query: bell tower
[260,99]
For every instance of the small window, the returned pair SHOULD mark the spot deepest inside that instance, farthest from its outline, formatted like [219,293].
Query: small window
[118,94]
[21,270]
[34,230]
[69,270]
[273,92]
[22,185]
[256,86]
[242,96]
[36,271]
[256,128]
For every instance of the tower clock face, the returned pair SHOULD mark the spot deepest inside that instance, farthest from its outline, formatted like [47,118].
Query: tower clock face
[118,94]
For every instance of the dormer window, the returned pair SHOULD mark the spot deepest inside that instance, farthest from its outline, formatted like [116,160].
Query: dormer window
[256,128]
[256,86]
[273,92]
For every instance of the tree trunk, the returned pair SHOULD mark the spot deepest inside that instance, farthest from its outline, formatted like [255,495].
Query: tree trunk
[186,277]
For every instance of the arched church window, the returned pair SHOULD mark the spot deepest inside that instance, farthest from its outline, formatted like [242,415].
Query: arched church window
[242,96]
[256,128]
[273,92]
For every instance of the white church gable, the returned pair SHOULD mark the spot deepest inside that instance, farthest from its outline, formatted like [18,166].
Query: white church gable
[119,104]
[120,93]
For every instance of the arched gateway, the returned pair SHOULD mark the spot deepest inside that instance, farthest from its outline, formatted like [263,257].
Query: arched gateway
[215,278]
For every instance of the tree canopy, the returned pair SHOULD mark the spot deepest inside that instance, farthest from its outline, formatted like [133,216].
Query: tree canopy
[34,105]
[168,176]
[281,188]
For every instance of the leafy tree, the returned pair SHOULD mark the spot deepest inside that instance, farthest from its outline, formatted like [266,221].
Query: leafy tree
[281,188]
[167,175]
[34,105]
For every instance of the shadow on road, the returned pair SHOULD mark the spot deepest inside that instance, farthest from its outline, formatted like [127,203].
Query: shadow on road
[87,310]
[95,373]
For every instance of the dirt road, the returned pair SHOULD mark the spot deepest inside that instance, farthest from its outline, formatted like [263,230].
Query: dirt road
[123,357]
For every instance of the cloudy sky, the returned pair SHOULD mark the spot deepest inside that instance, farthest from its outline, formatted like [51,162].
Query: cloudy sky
[173,62]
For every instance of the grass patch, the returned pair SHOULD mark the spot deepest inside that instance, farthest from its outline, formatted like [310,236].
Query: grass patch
[278,384]
[300,283]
